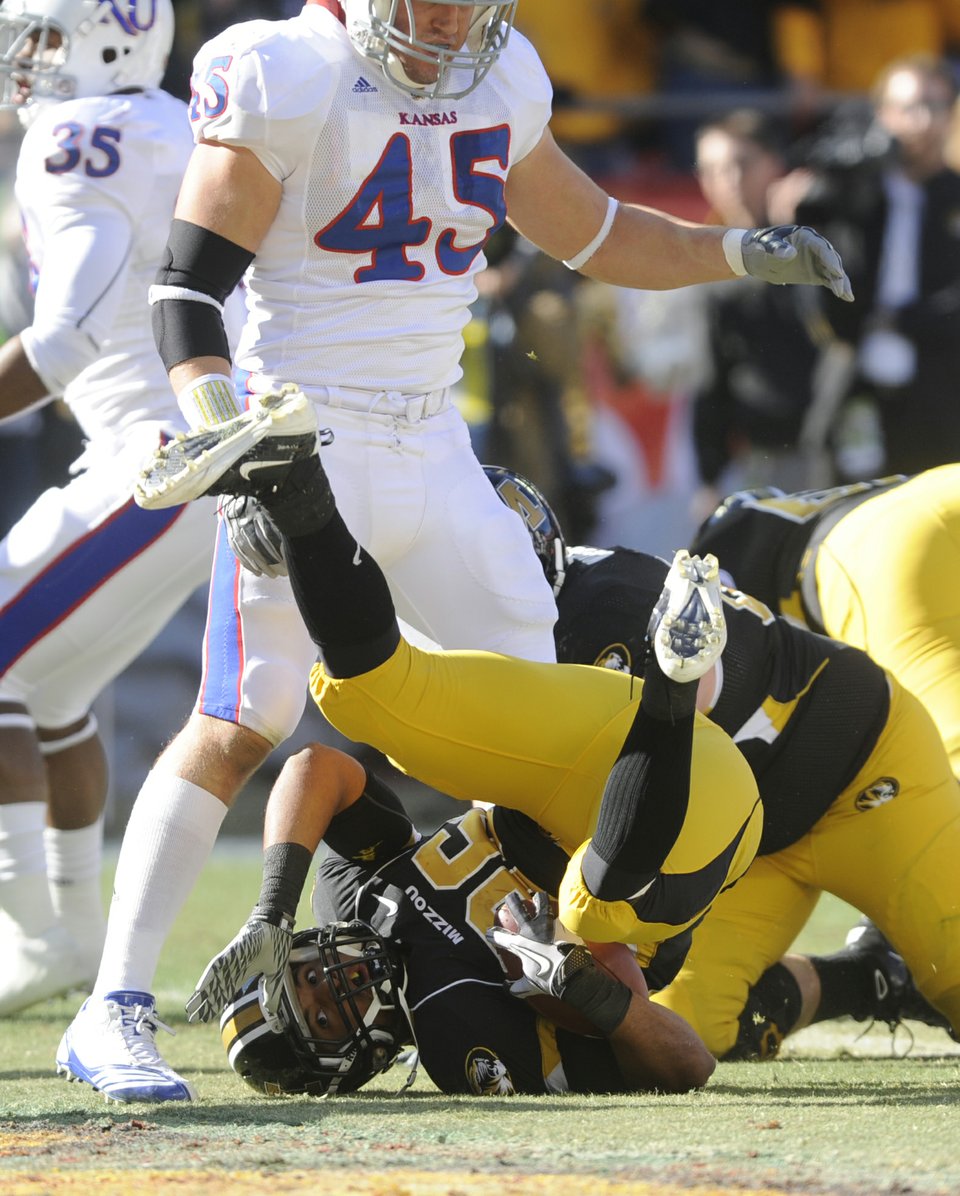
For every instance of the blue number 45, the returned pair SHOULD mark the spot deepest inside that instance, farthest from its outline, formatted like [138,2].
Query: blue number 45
[379,221]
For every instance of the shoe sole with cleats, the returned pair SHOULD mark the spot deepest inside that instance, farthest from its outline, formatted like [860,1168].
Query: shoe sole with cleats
[186,467]
[688,629]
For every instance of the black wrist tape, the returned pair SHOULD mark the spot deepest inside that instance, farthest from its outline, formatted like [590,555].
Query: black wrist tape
[600,997]
[285,868]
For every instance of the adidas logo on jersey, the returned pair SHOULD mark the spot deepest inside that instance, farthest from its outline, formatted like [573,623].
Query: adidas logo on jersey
[363,85]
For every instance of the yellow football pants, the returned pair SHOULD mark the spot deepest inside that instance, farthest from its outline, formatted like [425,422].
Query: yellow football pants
[541,738]
[889,845]
[888,579]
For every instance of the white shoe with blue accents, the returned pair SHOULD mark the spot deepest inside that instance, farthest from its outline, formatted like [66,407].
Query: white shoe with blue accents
[110,1046]
[687,627]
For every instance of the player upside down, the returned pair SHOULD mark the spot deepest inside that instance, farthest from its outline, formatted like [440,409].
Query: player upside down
[655,805]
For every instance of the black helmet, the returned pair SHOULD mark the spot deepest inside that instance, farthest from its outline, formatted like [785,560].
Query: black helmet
[741,498]
[538,518]
[282,1055]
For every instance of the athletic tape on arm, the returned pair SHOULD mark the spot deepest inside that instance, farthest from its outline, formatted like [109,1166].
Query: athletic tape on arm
[585,254]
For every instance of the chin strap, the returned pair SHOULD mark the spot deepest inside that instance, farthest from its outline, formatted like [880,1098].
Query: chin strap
[408,1082]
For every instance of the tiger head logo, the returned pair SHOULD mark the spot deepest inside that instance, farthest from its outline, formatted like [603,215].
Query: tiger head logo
[615,656]
[882,790]
[487,1075]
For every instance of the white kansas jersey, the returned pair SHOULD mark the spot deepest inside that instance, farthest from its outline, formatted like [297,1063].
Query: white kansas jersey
[366,275]
[97,180]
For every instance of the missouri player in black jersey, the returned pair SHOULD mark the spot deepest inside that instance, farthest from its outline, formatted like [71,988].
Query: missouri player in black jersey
[402,955]
[875,564]
[858,800]
[653,803]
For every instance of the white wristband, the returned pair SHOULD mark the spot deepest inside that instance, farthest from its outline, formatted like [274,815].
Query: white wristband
[587,253]
[208,400]
[733,250]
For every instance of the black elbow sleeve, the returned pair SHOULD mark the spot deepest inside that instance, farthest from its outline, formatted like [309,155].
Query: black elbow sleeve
[205,267]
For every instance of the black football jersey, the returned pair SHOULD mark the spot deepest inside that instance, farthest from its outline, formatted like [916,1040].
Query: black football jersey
[434,901]
[805,710]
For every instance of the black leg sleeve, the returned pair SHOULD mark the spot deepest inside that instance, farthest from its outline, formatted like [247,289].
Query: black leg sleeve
[643,807]
[343,597]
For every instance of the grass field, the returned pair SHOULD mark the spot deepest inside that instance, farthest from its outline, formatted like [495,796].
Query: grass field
[840,1113]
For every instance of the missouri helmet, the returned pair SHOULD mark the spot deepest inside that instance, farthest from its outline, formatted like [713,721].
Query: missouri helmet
[356,1029]
[739,499]
[377,33]
[523,497]
[61,49]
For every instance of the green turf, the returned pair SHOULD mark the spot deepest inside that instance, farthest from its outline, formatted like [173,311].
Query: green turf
[838,1114]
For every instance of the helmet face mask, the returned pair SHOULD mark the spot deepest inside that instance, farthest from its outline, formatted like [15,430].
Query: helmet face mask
[386,32]
[542,525]
[62,49]
[366,1022]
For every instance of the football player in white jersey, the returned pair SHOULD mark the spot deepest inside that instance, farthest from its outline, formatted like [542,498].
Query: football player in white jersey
[87,578]
[351,163]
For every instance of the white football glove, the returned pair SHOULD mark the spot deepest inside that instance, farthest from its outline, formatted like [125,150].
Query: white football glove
[542,958]
[792,253]
[563,970]
[254,537]
[261,947]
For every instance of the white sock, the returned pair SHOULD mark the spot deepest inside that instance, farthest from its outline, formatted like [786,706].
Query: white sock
[170,834]
[24,897]
[74,864]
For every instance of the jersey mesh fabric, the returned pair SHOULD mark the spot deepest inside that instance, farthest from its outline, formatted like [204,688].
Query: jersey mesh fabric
[401,193]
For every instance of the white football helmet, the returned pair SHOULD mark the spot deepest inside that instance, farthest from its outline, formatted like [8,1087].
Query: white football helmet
[60,49]
[373,29]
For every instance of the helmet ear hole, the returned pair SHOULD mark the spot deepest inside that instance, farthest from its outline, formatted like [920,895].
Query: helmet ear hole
[103,47]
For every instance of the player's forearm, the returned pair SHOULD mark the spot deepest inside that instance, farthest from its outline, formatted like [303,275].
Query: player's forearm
[654,251]
[656,1050]
[20,385]
[312,788]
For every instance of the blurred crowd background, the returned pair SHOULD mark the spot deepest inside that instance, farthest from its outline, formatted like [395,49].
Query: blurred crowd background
[636,411]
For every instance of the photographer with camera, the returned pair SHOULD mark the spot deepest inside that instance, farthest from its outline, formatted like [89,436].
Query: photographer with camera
[878,184]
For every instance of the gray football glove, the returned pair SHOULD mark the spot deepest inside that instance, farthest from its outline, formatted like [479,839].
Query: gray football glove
[792,253]
[261,946]
[253,536]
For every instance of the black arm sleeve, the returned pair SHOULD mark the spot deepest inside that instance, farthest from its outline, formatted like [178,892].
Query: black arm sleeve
[376,827]
[201,261]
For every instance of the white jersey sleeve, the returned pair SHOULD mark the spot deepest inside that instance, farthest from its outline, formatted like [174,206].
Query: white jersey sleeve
[262,85]
[527,92]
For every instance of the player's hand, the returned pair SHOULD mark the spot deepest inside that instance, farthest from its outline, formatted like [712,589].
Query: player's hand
[254,537]
[533,943]
[792,253]
[261,947]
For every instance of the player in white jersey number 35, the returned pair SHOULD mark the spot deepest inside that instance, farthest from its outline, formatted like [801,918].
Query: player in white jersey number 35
[350,165]
[87,579]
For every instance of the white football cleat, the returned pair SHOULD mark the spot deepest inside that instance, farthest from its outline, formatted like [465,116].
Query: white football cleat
[110,1046]
[195,463]
[687,627]
[48,965]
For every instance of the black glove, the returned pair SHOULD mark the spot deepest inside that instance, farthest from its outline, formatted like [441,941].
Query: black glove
[254,537]
[792,253]
[262,946]
[563,970]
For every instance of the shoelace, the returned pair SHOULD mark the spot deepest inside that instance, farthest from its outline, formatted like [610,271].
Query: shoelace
[137,1027]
